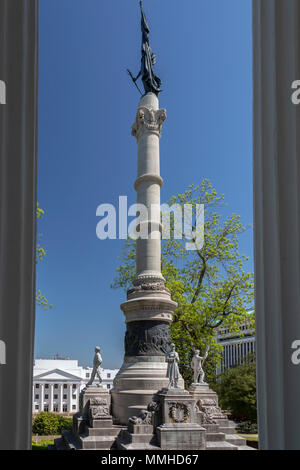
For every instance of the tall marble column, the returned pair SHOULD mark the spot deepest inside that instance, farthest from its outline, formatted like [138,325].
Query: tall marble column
[276,53]
[18,170]
[148,310]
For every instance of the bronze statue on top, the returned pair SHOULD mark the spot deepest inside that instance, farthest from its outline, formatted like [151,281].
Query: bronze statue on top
[150,81]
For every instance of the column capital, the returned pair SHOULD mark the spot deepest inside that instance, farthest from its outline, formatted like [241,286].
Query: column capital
[148,121]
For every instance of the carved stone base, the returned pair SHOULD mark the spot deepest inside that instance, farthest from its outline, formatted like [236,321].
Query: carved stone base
[135,385]
[93,426]
[201,391]
[178,430]
[181,437]
[208,411]
[148,312]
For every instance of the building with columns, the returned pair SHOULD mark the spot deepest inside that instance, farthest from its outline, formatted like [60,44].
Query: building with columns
[235,347]
[58,382]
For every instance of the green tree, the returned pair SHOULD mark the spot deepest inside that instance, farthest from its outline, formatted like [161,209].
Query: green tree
[210,284]
[236,390]
[41,300]
[49,424]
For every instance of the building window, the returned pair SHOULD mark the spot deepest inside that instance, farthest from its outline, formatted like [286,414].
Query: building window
[36,407]
[74,385]
[108,386]
[87,375]
[65,408]
[108,376]
[46,408]
[37,396]
[55,385]
[65,397]
[37,386]
[47,386]
[65,385]
[55,397]
[46,396]
[55,407]
[74,396]
[73,407]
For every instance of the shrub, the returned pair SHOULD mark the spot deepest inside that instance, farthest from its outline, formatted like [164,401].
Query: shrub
[247,427]
[64,423]
[49,424]
[236,389]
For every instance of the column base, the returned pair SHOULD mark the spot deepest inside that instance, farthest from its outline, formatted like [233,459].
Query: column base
[138,380]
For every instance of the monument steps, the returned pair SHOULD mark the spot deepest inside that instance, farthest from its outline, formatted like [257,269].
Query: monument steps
[227,429]
[96,442]
[215,437]
[126,446]
[100,432]
[220,446]
[68,440]
[235,440]
[246,448]
[130,438]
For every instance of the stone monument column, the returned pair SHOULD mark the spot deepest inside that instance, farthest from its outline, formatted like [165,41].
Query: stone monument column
[149,309]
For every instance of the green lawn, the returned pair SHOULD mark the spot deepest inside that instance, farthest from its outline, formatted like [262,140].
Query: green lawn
[249,437]
[41,444]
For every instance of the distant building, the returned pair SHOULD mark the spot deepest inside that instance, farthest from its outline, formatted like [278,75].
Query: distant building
[58,382]
[235,347]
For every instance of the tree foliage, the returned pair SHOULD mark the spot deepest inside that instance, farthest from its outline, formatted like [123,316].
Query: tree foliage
[40,253]
[210,284]
[236,390]
[49,424]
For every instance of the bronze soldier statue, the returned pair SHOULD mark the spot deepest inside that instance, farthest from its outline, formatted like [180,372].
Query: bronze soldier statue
[150,81]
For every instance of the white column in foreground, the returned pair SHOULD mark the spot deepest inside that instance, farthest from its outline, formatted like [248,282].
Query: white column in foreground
[276,51]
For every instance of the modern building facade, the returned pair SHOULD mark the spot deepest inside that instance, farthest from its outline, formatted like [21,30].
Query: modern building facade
[235,347]
[57,384]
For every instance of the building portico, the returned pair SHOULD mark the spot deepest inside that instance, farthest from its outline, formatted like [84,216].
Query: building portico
[57,384]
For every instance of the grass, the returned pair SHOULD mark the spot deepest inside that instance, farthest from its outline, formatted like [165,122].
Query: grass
[249,437]
[41,444]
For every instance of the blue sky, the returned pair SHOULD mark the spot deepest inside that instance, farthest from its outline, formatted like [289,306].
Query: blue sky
[87,156]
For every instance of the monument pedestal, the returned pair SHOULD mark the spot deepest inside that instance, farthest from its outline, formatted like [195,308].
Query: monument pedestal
[179,430]
[92,426]
[202,391]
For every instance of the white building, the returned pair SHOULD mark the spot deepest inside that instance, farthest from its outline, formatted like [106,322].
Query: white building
[58,382]
[235,347]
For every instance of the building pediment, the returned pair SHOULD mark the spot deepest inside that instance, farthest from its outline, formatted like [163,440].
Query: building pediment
[56,374]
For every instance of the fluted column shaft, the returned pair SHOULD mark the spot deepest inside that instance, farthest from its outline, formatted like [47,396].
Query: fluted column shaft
[147,129]
[18,169]
[149,309]
[276,52]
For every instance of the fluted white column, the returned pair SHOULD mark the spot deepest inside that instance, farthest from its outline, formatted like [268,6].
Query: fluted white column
[147,130]
[276,52]
[41,397]
[70,386]
[51,398]
[61,393]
